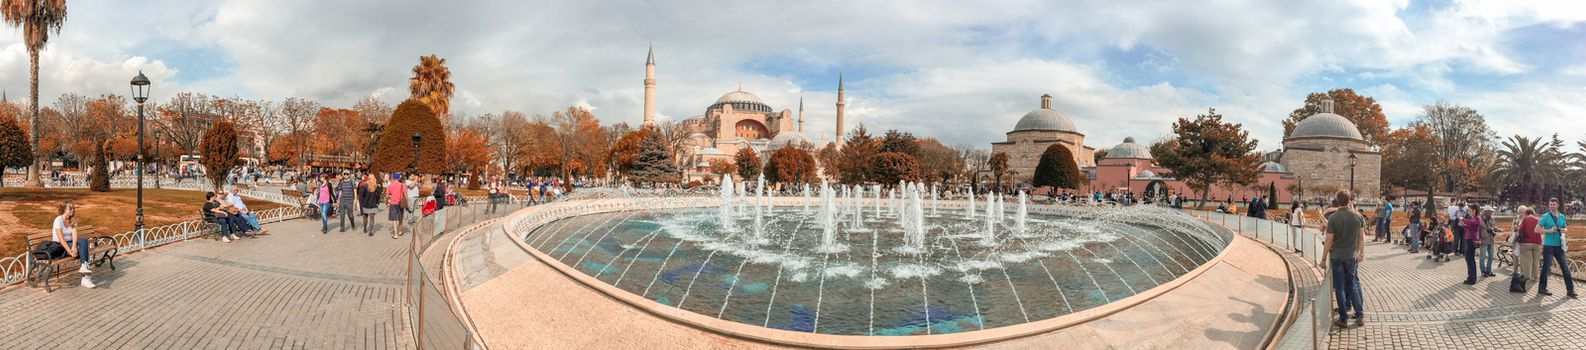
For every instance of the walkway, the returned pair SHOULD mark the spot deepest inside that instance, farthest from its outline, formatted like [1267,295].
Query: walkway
[294,288]
[1415,303]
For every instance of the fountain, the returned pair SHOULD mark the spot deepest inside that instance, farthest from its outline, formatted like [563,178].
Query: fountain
[1022,214]
[970,210]
[727,223]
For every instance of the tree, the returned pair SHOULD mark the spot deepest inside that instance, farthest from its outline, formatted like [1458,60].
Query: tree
[1097,156]
[582,143]
[1464,149]
[790,165]
[858,156]
[37,19]
[1361,110]
[653,163]
[466,152]
[937,161]
[394,153]
[1530,168]
[541,152]
[431,85]
[219,152]
[998,164]
[1409,155]
[15,152]
[1208,151]
[296,116]
[723,167]
[748,163]
[105,119]
[1272,195]
[625,152]
[339,131]
[508,139]
[891,167]
[895,141]
[829,159]
[184,119]
[1057,169]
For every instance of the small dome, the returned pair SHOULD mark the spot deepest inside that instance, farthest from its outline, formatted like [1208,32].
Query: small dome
[711,152]
[785,139]
[1145,174]
[1273,167]
[1045,119]
[1129,150]
[1326,124]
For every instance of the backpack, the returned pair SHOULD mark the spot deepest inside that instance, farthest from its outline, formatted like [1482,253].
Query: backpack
[1518,283]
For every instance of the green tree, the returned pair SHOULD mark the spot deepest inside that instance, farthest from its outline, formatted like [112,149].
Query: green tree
[859,150]
[15,152]
[998,163]
[431,84]
[1272,195]
[625,152]
[1408,156]
[1208,151]
[790,165]
[1361,110]
[1464,152]
[891,167]
[901,142]
[1057,169]
[1530,168]
[937,161]
[394,153]
[37,19]
[748,163]
[653,164]
[219,151]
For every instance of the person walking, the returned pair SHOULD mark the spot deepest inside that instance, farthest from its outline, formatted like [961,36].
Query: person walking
[1470,237]
[347,200]
[1488,229]
[1345,248]
[442,190]
[411,202]
[1528,245]
[369,202]
[1296,224]
[397,204]
[322,190]
[494,193]
[1553,226]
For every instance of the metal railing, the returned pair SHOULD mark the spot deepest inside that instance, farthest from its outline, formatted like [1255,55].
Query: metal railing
[1313,319]
[436,323]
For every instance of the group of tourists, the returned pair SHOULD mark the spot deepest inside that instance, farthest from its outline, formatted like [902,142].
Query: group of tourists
[230,212]
[1540,240]
[349,196]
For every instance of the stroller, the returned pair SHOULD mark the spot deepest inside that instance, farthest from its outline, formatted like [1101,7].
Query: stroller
[1441,247]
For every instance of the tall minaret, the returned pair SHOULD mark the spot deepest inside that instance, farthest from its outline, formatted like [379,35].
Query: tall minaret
[801,114]
[840,104]
[649,88]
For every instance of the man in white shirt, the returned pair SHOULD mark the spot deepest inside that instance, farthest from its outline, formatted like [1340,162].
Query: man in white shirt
[242,210]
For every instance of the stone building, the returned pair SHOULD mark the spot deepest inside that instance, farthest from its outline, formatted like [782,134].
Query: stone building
[1318,153]
[1038,129]
[1129,166]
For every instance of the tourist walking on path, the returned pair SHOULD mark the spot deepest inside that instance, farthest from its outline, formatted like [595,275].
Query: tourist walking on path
[347,200]
[1296,224]
[369,201]
[411,202]
[68,243]
[1471,236]
[1528,244]
[397,196]
[494,193]
[1488,229]
[439,195]
[1414,229]
[323,193]
[1553,224]
[1345,247]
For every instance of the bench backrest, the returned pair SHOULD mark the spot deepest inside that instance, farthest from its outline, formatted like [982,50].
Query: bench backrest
[292,193]
[35,238]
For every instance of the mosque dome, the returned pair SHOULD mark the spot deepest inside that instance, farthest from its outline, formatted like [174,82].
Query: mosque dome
[712,152]
[785,139]
[1045,118]
[741,100]
[1129,150]
[1145,174]
[1326,124]
[1273,167]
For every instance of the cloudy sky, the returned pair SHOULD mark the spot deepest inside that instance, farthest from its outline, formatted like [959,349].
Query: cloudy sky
[963,71]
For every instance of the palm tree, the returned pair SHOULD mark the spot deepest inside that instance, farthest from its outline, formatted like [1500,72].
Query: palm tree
[1530,167]
[37,19]
[431,84]
[999,165]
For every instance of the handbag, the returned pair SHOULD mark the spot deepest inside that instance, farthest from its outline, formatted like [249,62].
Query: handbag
[48,250]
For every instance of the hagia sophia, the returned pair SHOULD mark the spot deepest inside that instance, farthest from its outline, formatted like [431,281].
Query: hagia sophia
[1316,158]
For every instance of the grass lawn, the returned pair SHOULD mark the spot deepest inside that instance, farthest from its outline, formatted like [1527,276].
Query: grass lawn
[31,210]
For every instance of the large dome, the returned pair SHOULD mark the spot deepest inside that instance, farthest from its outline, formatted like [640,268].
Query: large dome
[1129,150]
[739,96]
[1045,119]
[1326,124]
[741,100]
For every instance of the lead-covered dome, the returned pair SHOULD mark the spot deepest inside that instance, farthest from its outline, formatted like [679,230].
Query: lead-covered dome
[1273,167]
[741,100]
[1326,124]
[785,139]
[1045,118]
[1129,150]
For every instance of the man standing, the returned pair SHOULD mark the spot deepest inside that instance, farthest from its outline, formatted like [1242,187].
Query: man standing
[348,202]
[494,195]
[1384,218]
[1414,230]
[1553,225]
[1345,249]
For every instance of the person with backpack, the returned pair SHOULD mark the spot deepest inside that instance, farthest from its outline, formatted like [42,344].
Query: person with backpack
[1553,224]
[1488,229]
[442,190]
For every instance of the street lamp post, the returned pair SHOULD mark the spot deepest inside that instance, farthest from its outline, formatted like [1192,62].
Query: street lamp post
[158,135]
[415,167]
[140,93]
[1352,161]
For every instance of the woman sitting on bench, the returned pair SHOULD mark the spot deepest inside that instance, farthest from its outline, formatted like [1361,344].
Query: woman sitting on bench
[67,243]
[230,225]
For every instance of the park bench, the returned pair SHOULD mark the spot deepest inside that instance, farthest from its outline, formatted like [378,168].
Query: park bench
[302,203]
[40,269]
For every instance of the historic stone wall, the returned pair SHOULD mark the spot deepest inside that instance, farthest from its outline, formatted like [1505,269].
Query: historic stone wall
[1024,151]
[1323,165]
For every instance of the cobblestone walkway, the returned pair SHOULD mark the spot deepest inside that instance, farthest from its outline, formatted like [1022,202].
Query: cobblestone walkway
[1415,303]
[294,288]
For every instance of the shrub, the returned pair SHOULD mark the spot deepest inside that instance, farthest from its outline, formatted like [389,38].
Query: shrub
[219,151]
[394,153]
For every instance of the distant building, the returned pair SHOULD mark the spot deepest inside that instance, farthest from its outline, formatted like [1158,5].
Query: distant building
[1038,129]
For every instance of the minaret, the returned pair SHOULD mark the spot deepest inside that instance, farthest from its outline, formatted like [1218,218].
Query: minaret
[801,114]
[840,104]
[649,88]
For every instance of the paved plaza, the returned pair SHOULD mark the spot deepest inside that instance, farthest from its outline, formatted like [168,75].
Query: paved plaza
[1415,303]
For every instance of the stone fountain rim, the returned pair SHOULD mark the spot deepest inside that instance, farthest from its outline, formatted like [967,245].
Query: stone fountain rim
[560,210]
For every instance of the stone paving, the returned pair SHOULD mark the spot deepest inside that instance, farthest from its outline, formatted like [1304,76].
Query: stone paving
[1415,303]
[294,288]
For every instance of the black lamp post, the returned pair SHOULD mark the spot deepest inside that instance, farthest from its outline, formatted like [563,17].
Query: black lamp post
[140,93]
[415,167]
[1352,161]
[158,135]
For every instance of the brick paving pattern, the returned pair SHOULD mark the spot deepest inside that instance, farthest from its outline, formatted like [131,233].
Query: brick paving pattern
[1415,303]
